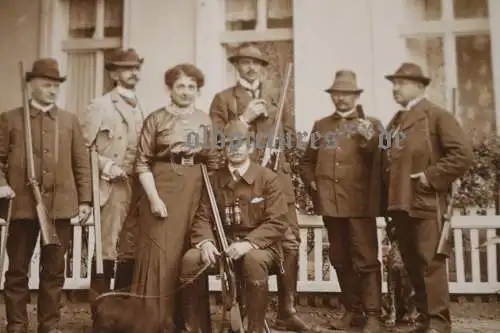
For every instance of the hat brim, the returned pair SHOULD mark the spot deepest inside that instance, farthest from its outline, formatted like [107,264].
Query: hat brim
[421,79]
[123,64]
[348,91]
[30,76]
[235,58]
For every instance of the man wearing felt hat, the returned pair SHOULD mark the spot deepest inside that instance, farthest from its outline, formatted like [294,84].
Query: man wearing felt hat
[418,176]
[62,170]
[339,166]
[254,218]
[112,123]
[255,104]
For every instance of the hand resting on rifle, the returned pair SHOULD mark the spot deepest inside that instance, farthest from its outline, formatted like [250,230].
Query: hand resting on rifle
[83,212]
[254,110]
[113,171]
[209,252]
[7,192]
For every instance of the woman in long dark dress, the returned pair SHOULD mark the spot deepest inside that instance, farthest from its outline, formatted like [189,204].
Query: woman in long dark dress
[173,188]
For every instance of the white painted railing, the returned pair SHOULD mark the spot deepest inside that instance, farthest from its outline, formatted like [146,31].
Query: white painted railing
[472,269]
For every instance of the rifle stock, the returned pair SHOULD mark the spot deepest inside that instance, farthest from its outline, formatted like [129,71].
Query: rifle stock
[96,209]
[47,228]
[444,244]
[229,278]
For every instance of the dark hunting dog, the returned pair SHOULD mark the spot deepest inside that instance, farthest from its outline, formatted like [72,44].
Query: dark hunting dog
[117,312]
[398,304]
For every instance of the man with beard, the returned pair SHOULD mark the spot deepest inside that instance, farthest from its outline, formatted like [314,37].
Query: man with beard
[62,172]
[113,123]
[340,165]
[255,104]
[418,175]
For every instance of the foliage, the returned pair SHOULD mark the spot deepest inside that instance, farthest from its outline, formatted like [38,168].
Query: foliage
[477,189]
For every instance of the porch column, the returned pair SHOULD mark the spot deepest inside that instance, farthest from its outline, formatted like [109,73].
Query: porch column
[494,13]
[209,53]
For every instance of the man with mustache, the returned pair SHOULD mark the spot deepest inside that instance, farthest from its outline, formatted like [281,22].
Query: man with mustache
[418,175]
[340,165]
[113,123]
[255,104]
[62,172]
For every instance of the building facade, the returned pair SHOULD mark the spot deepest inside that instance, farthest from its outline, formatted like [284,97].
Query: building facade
[457,42]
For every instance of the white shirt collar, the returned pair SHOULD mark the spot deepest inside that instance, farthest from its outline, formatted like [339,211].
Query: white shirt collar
[414,102]
[242,169]
[250,86]
[129,93]
[345,114]
[43,108]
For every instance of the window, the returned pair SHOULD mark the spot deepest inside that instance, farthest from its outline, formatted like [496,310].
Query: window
[267,23]
[95,27]
[451,39]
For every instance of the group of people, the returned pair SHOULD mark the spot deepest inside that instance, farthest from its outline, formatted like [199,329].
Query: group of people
[156,215]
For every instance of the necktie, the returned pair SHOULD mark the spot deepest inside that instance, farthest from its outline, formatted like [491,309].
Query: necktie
[236,176]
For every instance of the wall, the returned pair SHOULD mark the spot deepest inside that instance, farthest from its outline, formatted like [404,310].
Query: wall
[163,33]
[19,26]
[334,34]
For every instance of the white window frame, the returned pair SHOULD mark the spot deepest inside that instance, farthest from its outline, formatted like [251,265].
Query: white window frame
[448,27]
[54,24]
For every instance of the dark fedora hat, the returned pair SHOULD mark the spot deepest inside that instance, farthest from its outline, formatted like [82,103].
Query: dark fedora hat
[409,71]
[45,68]
[248,50]
[123,58]
[345,81]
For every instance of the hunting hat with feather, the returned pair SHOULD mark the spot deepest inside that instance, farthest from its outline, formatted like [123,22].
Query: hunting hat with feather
[45,68]
[248,50]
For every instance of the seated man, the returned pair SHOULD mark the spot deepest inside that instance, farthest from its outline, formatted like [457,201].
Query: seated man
[252,207]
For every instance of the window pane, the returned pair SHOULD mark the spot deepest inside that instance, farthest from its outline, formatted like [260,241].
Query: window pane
[476,104]
[428,53]
[113,18]
[470,8]
[81,80]
[241,14]
[423,10]
[82,18]
[279,14]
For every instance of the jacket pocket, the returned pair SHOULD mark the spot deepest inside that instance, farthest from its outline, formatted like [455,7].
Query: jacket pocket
[424,197]
[258,211]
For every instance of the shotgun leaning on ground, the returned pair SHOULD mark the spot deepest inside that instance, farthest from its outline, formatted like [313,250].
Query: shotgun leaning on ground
[47,227]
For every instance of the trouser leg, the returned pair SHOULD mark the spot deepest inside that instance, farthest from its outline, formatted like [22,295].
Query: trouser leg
[287,318]
[340,259]
[21,243]
[52,278]
[418,239]
[256,265]
[194,297]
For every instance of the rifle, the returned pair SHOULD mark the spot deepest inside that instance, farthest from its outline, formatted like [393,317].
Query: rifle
[99,283]
[47,228]
[228,278]
[273,151]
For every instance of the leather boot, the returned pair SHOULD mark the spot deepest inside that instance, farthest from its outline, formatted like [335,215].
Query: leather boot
[371,283]
[103,284]
[287,318]
[256,307]
[124,275]
[195,303]
[349,285]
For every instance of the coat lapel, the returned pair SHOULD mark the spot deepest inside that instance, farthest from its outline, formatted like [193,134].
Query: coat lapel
[241,99]
[415,114]
[124,109]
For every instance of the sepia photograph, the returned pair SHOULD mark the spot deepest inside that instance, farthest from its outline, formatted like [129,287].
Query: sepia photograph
[249,166]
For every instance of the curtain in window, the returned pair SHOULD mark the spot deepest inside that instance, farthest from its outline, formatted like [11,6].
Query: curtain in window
[81,80]
[246,10]
[82,16]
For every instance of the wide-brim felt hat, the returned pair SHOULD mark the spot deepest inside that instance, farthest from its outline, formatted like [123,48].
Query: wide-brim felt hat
[47,68]
[123,59]
[248,51]
[409,71]
[345,81]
